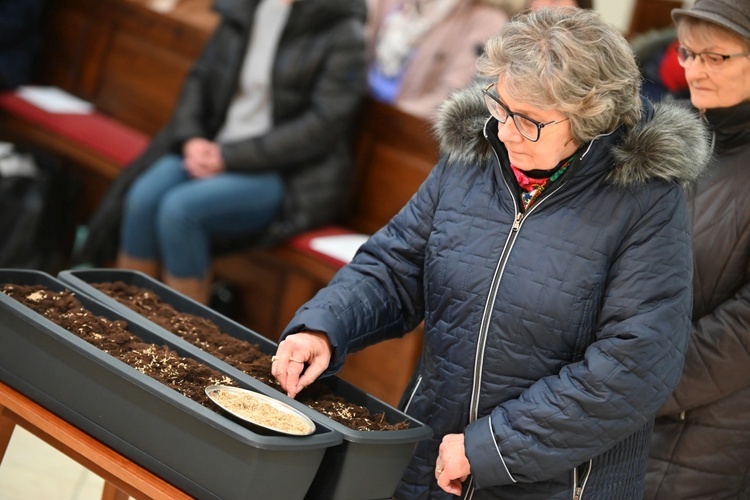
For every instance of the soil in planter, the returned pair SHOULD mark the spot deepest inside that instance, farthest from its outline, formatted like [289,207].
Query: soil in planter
[187,376]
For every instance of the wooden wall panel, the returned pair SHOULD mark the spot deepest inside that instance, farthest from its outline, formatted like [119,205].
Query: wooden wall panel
[61,58]
[122,56]
[139,83]
[652,14]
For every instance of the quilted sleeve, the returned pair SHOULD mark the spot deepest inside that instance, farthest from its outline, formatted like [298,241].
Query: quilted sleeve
[379,295]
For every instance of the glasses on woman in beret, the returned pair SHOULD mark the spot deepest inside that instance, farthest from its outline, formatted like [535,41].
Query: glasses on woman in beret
[711,60]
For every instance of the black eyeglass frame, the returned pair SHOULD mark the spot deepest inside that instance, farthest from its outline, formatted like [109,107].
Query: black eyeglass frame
[539,125]
[684,55]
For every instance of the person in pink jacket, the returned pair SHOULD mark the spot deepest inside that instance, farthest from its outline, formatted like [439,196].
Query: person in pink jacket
[421,50]
[581,4]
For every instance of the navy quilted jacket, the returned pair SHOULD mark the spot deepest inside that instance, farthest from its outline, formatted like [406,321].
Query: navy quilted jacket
[552,337]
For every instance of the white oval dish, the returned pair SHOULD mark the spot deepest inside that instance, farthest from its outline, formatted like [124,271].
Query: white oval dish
[261,410]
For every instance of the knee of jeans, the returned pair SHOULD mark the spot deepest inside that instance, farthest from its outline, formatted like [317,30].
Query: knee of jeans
[138,201]
[173,215]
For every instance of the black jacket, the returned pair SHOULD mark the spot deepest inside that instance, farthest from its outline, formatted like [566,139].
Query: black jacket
[318,82]
[20,40]
[550,339]
[701,443]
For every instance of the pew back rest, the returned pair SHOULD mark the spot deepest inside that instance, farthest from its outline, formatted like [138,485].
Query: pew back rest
[123,56]
[394,153]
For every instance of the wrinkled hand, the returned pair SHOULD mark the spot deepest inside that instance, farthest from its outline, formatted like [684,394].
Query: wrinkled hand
[300,359]
[202,158]
[452,467]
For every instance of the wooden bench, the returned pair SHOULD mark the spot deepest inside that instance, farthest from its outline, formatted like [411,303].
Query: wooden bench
[126,59]
[93,146]
[394,153]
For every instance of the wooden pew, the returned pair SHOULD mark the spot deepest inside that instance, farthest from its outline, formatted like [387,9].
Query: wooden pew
[121,55]
[130,61]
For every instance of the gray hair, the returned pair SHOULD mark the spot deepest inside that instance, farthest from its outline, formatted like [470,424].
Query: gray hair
[706,31]
[570,60]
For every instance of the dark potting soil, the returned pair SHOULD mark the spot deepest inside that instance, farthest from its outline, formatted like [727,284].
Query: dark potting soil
[185,375]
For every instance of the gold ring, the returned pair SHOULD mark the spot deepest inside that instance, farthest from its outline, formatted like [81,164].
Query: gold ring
[295,360]
[273,359]
[438,470]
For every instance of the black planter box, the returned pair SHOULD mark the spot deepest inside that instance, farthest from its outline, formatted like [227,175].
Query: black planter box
[204,453]
[367,465]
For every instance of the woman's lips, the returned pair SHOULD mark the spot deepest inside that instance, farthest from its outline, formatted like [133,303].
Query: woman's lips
[700,89]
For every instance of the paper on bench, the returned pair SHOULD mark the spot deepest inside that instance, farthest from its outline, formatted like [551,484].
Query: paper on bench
[54,100]
[341,247]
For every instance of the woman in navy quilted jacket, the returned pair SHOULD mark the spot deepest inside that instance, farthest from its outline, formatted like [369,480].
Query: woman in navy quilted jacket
[548,254]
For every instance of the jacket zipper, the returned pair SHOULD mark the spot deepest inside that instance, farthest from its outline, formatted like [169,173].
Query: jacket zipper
[469,490]
[579,486]
[413,392]
[489,305]
[494,286]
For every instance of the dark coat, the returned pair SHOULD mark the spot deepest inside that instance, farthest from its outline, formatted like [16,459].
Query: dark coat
[550,339]
[318,82]
[701,443]
[20,40]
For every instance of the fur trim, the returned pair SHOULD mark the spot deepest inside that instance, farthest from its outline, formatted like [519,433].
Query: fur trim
[460,126]
[672,145]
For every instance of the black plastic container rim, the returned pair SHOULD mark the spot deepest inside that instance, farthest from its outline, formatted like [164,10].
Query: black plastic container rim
[80,280]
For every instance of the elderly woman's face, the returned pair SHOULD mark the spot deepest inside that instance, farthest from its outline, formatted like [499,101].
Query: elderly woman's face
[555,137]
[717,87]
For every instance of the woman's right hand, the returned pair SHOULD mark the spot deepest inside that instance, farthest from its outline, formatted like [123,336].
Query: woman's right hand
[202,158]
[300,359]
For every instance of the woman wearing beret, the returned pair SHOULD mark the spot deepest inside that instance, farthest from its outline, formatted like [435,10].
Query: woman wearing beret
[701,441]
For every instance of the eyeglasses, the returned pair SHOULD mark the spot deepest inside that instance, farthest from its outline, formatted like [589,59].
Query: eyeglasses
[528,127]
[712,60]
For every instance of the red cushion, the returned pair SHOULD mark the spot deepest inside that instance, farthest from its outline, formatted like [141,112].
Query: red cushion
[301,242]
[107,137]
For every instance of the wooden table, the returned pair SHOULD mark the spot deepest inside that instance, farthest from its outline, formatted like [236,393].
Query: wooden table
[123,478]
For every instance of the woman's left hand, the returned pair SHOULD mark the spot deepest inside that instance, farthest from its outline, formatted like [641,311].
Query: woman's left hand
[452,467]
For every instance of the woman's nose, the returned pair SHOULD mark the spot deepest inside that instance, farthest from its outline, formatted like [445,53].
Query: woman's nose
[508,132]
[696,69]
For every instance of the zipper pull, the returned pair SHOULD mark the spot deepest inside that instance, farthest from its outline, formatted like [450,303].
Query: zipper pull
[517,222]
[577,494]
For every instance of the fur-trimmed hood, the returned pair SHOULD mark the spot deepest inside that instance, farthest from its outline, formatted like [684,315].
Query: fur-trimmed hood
[671,143]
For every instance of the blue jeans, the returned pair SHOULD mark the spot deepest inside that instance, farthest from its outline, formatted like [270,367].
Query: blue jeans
[170,217]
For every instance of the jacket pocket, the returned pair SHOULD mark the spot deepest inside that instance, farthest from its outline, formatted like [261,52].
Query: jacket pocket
[580,478]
